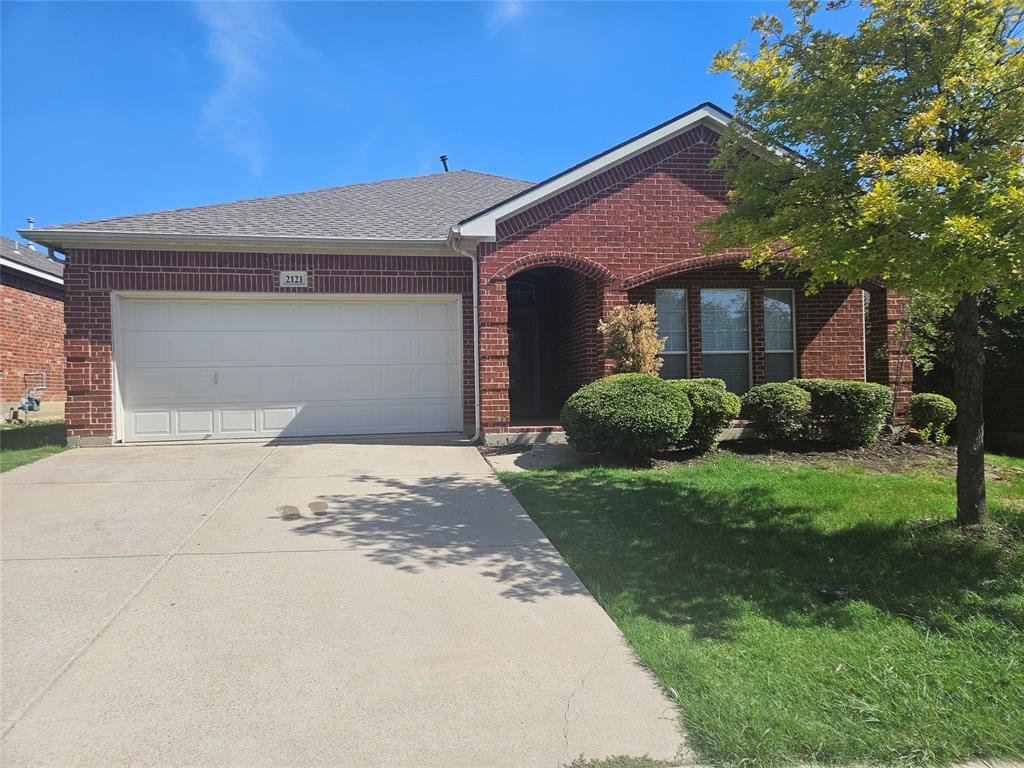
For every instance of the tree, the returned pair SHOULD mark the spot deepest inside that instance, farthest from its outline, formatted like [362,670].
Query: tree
[1002,340]
[632,336]
[910,132]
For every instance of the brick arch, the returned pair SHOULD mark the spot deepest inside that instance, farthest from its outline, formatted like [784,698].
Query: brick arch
[681,267]
[579,264]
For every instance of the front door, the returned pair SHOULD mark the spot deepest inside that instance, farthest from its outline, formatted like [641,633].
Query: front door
[523,363]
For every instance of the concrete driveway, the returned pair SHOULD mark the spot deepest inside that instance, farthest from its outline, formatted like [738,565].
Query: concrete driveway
[382,603]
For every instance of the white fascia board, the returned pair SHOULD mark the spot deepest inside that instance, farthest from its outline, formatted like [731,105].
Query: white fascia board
[63,239]
[14,266]
[484,225]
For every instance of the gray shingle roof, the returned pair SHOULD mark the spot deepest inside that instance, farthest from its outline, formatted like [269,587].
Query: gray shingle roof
[22,254]
[413,208]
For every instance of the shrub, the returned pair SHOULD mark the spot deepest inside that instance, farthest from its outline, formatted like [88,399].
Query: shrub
[845,411]
[931,414]
[716,383]
[779,411]
[632,336]
[713,409]
[627,415]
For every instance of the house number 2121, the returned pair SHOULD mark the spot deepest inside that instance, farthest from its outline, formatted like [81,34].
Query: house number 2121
[294,279]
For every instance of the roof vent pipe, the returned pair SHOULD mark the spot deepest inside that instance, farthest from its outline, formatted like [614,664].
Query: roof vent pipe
[444,162]
[31,225]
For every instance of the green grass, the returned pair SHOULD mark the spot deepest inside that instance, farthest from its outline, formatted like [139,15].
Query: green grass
[712,572]
[19,457]
[22,444]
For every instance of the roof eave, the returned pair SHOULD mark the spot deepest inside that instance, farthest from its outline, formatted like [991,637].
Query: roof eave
[64,239]
[24,269]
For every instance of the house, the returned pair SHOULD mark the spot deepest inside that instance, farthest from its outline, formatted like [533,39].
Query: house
[455,301]
[32,288]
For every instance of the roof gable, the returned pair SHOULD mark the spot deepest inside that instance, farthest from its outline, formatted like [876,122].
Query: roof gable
[483,225]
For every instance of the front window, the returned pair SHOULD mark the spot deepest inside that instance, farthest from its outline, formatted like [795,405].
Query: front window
[725,336]
[670,312]
[779,344]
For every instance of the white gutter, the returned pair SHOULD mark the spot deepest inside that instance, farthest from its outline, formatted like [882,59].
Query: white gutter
[17,267]
[63,239]
[455,241]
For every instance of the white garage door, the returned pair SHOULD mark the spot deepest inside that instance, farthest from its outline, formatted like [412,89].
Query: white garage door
[216,368]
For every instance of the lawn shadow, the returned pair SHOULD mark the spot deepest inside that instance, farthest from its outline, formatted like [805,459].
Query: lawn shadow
[693,555]
[443,521]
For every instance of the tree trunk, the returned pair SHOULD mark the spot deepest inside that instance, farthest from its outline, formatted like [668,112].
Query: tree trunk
[968,369]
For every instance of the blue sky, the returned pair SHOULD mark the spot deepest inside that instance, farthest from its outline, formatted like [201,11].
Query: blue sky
[116,108]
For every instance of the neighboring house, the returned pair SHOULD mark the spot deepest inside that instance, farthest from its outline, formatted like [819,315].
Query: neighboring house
[32,288]
[369,308]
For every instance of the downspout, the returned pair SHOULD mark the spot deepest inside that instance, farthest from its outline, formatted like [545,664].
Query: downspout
[455,241]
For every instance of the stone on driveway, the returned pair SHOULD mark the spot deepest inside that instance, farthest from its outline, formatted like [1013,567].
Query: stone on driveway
[412,614]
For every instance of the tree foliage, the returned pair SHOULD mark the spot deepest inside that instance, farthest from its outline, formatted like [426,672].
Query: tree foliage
[911,141]
[909,166]
[631,333]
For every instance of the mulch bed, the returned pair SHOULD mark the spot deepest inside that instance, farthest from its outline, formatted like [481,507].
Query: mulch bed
[889,453]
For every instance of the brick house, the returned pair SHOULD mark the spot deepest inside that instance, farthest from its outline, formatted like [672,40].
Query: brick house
[455,301]
[32,316]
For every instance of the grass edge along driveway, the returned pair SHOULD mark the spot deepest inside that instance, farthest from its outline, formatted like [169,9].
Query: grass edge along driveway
[22,444]
[712,572]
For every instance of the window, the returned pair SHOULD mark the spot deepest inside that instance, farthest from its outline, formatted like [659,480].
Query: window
[725,336]
[779,346]
[670,312]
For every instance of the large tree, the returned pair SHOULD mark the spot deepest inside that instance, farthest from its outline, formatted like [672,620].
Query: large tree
[907,164]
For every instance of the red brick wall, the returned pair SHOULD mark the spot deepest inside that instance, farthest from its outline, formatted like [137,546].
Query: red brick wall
[829,324]
[33,336]
[91,276]
[634,224]
[582,347]
[887,342]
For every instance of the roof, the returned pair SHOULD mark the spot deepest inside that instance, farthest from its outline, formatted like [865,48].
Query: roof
[416,208]
[21,258]
[482,225]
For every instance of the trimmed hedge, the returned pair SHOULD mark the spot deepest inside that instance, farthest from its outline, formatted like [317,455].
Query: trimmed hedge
[844,411]
[779,411]
[628,415]
[931,414]
[713,409]
[715,383]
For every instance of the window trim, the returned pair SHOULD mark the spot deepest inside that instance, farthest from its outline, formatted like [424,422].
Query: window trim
[685,354]
[792,335]
[749,351]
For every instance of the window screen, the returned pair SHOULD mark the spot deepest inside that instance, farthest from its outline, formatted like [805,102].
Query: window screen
[779,344]
[670,311]
[725,336]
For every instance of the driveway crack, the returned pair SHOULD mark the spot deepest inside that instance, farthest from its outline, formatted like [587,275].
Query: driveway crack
[575,692]
[165,559]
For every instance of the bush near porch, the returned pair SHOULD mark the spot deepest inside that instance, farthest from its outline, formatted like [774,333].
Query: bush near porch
[627,415]
[713,570]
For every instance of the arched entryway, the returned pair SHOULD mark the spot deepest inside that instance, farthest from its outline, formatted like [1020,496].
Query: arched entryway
[553,343]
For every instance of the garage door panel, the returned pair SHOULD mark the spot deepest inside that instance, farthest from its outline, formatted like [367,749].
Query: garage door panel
[193,369]
[197,317]
[238,421]
[195,422]
[149,348]
[149,386]
[152,423]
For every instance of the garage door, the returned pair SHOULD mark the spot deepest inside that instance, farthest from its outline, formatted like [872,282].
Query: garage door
[218,368]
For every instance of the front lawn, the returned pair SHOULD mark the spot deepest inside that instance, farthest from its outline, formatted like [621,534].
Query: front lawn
[22,444]
[713,571]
